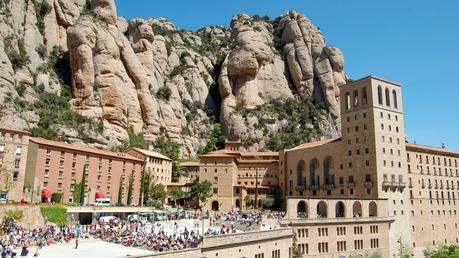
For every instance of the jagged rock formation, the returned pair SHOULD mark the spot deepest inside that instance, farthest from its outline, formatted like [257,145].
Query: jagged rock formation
[265,58]
[160,80]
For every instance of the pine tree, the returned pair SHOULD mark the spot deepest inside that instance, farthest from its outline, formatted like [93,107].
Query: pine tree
[83,183]
[130,186]
[120,191]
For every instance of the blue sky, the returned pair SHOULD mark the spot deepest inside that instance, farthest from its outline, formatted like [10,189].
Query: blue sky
[413,42]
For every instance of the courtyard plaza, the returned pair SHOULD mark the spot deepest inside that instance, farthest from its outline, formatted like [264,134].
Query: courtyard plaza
[94,246]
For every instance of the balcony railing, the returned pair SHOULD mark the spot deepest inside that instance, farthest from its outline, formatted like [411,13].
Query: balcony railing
[329,186]
[313,187]
[351,184]
[300,187]
[393,185]
[368,184]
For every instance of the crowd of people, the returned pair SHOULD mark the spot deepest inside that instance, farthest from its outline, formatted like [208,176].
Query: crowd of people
[157,236]
[146,235]
[15,237]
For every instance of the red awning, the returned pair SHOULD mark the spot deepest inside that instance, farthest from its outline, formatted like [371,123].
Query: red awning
[45,193]
[100,195]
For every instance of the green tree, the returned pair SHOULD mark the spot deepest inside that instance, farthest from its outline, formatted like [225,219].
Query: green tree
[201,191]
[216,140]
[130,188]
[135,140]
[56,197]
[83,182]
[170,149]
[445,251]
[145,181]
[158,193]
[175,194]
[10,217]
[120,190]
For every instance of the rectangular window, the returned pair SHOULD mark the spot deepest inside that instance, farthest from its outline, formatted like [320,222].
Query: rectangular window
[18,150]
[2,147]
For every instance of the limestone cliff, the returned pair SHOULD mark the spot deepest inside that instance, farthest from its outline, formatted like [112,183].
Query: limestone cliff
[74,70]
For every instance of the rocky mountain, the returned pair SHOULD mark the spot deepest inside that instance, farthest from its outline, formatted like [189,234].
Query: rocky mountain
[73,70]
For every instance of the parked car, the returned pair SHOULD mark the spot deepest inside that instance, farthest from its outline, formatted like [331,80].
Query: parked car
[102,202]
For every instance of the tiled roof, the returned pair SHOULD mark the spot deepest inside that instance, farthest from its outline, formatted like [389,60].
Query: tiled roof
[189,164]
[151,153]
[260,153]
[316,143]
[83,148]
[14,130]
[432,150]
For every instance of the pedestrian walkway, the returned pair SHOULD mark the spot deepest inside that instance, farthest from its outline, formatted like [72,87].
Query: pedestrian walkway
[89,248]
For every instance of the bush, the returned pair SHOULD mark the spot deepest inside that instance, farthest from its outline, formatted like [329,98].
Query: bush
[164,93]
[177,70]
[42,51]
[56,198]
[18,58]
[41,10]
[20,89]
[158,30]
[56,215]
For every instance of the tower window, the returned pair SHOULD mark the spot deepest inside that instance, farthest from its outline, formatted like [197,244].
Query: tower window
[380,95]
[387,97]
[364,96]
[348,100]
[394,98]
[356,98]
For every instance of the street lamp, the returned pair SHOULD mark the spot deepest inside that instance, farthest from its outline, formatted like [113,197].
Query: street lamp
[401,246]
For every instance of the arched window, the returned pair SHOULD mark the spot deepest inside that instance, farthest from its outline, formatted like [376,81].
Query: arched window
[300,179]
[339,210]
[380,95]
[328,167]
[357,209]
[322,210]
[394,98]
[373,209]
[313,172]
[387,97]
[348,101]
[356,98]
[301,210]
[364,96]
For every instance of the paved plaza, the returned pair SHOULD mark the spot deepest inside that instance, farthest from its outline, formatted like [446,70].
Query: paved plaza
[89,248]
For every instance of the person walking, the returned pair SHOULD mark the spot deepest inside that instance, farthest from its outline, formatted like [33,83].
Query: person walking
[77,241]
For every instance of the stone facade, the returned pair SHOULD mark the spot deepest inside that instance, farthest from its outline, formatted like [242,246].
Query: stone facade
[240,179]
[58,167]
[274,243]
[13,153]
[433,183]
[158,165]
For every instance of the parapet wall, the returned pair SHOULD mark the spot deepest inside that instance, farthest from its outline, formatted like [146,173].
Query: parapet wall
[234,245]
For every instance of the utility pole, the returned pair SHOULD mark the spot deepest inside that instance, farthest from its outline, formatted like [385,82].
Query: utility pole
[401,246]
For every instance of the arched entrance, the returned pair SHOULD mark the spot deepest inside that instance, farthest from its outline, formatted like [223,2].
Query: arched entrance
[301,210]
[373,209]
[322,210]
[215,206]
[339,210]
[238,204]
[357,209]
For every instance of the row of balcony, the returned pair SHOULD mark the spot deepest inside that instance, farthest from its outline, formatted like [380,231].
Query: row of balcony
[393,185]
[330,186]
